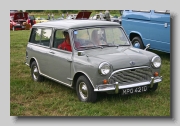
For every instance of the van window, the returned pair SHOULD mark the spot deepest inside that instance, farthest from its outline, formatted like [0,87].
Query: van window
[35,36]
[141,10]
[46,36]
[41,36]
[162,11]
[58,38]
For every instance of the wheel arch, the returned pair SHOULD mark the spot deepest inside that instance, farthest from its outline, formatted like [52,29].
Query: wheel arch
[77,75]
[31,61]
[134,34]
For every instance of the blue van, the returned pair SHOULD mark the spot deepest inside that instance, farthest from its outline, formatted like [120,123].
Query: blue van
[148,27]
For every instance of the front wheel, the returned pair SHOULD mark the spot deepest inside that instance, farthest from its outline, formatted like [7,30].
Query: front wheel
[137,43]
[85,91]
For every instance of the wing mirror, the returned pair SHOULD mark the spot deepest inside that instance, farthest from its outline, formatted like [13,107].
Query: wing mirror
[81,53]
[147,46]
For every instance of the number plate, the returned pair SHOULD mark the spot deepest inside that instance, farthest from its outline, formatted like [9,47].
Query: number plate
[22,26]
[133,90]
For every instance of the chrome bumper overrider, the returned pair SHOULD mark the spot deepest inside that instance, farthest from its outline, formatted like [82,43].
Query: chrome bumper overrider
[116,86]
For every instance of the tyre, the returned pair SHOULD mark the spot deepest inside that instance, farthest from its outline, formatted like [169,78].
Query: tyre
[35,73]
[155,86]
[84,90]
[137,43]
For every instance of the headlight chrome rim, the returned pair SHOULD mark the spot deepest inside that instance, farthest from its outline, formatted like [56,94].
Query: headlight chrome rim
[156,61]
[105,72]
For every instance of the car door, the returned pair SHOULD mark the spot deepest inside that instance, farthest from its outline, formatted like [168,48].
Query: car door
[160,30]
[60,61]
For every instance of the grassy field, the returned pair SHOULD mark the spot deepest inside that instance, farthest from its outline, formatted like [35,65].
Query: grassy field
[28,98]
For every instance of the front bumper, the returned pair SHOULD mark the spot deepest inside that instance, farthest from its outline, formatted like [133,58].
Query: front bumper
[116,86]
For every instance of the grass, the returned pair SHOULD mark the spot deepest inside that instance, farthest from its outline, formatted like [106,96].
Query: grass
[28,98]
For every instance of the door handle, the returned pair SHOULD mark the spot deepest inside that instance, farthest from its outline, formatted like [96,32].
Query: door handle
[165,25]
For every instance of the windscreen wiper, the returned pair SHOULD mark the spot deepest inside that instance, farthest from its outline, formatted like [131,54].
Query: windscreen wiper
[91,47]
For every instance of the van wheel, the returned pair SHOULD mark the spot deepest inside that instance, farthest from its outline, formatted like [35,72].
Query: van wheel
[155,86]
[84,90]
[35,73]
[137,43]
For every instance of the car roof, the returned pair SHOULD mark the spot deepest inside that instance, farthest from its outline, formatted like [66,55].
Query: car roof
[68,24]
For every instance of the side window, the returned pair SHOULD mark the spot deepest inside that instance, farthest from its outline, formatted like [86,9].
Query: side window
[46,36]
[141,11]
[41,36]
[58,38]
[162,11]
[35,36]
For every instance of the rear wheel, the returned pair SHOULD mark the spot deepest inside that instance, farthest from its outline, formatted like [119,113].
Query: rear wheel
[35,72]
[85,91]
[137,43]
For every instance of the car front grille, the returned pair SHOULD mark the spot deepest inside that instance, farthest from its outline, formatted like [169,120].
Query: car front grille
[131,75]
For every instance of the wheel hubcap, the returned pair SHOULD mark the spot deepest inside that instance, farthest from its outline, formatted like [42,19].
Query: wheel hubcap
[83,90]
[35,73]
[136,44]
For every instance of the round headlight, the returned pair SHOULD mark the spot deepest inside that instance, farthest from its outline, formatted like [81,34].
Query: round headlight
[104,68]
[156,61]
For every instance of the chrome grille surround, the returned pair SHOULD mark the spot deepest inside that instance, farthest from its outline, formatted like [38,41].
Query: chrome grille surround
[131,75]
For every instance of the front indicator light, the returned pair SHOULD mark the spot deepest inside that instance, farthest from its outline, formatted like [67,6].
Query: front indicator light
[105,81]
[156,74]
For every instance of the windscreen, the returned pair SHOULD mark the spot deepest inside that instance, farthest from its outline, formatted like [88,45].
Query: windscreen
[93,37]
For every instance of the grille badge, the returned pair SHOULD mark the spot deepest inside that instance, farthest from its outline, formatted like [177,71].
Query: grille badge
[132,63]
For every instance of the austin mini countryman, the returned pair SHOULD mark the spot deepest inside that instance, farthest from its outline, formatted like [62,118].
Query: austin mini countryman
[91,56]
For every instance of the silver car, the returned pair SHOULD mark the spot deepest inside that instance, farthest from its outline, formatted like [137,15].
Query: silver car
[111,65]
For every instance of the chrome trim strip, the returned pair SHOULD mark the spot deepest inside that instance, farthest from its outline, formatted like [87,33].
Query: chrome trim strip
[109,87]
[56,80]
[70,79]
